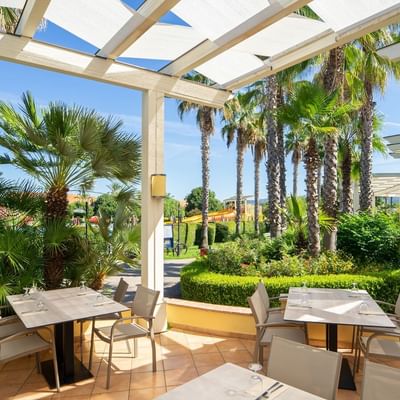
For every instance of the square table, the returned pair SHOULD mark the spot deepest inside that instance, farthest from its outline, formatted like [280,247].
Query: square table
[230,382]
[334,307]
[61,308]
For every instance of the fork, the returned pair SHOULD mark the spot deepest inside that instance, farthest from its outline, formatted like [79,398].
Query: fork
[269,392]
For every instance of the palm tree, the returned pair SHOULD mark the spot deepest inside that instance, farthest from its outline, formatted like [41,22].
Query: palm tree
[238,121]
[205,118]
[63,147]
[295,143]
[333,80]
[8,19]
[273,162]
[315,112]
[373,70]
[258,145]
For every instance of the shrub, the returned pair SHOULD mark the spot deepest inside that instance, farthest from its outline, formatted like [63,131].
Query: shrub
[191,235]
[370,237]
[211,234]
[199,284]
[221,232]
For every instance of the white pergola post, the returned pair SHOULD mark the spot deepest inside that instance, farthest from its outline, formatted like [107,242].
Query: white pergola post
[152,223]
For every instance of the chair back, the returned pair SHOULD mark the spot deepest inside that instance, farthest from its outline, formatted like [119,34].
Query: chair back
[257,304]
[380,382]
[145,301]
[264,294]
[397,306]
[120,292]
[304,367]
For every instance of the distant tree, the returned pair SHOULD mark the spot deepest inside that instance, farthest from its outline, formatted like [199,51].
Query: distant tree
[194,200]
[170,206]
[106,204]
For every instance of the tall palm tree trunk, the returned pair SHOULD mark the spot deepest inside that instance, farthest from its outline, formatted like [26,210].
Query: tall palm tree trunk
[312,164]
[367,110]
[281,155]
[347,193]
[256,193]
[239,179]
[273,170]
[205,179]
[295,177]
[333,79]
[55,211]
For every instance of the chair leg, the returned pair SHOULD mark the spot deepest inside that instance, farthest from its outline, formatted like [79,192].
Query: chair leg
[38,366]
[55,366]
[91,346]
[109,365]
[353,339]
[135,347]
[153,351]
[81,339]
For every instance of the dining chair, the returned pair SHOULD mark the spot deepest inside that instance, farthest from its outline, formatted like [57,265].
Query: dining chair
[25,343]
[268,324]
[380,382]
[376,341]
[10,324]
[305,367]
[118,296]
[143,308]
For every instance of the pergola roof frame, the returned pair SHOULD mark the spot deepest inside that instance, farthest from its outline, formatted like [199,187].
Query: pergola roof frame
[209,49]
[14,48]
[311,47]
[31,17]
[148,14]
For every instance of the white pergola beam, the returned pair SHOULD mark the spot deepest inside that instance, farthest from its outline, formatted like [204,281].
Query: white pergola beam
[209,49]
[145,17]
[317,45]
[31,17]
[30,52]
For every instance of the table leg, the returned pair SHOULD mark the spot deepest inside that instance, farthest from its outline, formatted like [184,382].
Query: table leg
[70,369]
[346,380]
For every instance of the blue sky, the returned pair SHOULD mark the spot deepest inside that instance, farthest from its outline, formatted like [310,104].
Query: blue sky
[182,138]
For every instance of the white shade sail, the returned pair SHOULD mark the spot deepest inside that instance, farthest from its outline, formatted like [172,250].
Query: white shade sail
[231,42]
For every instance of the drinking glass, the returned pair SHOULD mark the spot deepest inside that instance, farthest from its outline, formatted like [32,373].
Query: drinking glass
[255,378]
[304,286]
[26,292]
[40,303]
[305,301]
[82,286]
[363,308]
[354,287]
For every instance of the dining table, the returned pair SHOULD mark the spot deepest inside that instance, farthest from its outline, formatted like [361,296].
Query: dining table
[60,308]
[232,382]
[334,307]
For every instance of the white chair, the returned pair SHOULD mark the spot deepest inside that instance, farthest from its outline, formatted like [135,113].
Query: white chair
[143,308]
[24,343]
[305,367]
[379,342]
[269,323]
[380,382]
[118,296]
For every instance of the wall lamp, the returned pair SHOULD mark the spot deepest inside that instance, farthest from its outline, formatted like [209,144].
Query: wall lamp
[158,185]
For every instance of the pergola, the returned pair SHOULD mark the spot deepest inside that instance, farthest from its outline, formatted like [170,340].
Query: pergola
[232,42]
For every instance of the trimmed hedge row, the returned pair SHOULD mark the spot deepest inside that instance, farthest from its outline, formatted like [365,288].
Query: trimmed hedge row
[198,284]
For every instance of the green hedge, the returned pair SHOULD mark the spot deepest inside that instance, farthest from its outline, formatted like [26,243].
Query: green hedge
[200,285]
[211,234]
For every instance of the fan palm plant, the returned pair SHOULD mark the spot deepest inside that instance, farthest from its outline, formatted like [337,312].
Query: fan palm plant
[316,113]
[63,147]
[205,118]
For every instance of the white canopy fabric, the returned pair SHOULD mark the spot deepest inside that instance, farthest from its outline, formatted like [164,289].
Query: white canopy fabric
[232,42]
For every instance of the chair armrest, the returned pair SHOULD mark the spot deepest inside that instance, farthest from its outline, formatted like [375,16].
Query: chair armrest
[7,320]
[275,324]
[385,303]
[26,332]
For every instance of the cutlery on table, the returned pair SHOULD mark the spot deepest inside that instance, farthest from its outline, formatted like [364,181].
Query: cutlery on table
[266,396]
[34,311]
[262,395]
[103,304]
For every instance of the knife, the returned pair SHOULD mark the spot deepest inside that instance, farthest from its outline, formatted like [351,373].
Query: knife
[262,395]
[266,396]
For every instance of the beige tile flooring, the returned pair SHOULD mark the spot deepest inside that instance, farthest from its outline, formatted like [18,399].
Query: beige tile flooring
[181,356]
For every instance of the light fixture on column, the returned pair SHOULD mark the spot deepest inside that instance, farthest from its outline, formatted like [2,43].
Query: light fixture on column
[158,185]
